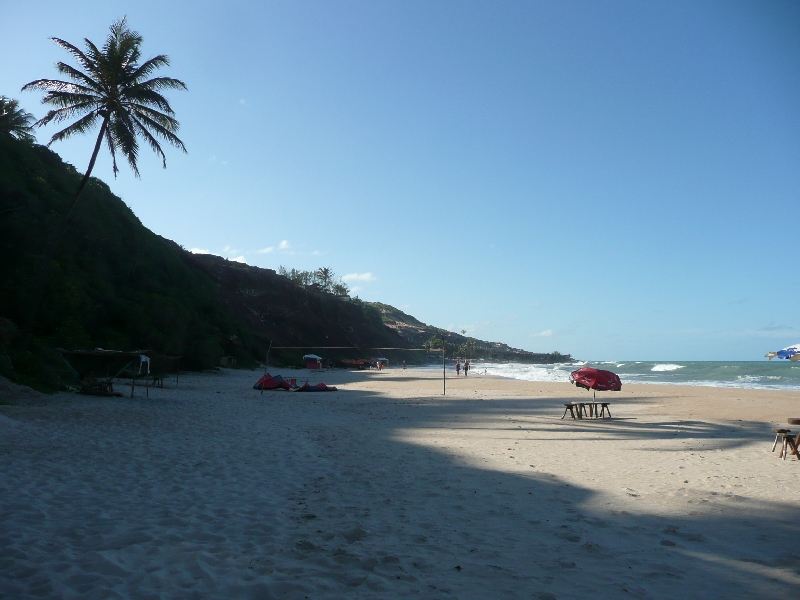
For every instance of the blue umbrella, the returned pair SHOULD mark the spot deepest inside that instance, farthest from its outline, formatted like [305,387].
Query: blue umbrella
[791,352]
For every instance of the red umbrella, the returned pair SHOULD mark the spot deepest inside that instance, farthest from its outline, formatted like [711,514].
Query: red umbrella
[596,379]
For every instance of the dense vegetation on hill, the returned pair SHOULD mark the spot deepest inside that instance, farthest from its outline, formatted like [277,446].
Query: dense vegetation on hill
[115,284]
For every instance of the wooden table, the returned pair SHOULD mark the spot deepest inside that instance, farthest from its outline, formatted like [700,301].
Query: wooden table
[579,410]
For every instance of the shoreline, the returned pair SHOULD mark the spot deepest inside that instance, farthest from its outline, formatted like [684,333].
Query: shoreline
[649,377]
[388,489]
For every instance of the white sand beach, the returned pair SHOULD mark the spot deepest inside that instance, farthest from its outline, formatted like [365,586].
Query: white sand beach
[387,489]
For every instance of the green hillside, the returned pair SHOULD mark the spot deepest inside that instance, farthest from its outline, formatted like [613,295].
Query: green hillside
[115,284]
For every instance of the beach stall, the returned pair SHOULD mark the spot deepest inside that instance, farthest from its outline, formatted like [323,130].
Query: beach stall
[312,361]
[95,369]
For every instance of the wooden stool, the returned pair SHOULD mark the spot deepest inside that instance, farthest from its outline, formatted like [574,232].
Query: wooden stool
[570,406]
[604,406]
[778,433]
[788,443]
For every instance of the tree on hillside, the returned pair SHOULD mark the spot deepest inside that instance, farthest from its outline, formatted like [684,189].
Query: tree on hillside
[323,279]
[110,88]
[14,121]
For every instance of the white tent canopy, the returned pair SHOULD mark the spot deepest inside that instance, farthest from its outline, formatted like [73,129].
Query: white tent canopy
[312,356]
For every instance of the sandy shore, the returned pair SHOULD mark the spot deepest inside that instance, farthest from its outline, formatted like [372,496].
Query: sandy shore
[387,489]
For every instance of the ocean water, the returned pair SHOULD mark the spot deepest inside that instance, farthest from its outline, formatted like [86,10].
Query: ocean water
[784,375]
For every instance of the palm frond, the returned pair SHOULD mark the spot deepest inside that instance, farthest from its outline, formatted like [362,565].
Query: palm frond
[149,98]
[76,52]
[167,121]
[64,99]
[58,115]
[162,83]
[162,131]
[122,130]
[82,125]
[76,75]
[149,66]
[154,145]
[48,84]
[112,150]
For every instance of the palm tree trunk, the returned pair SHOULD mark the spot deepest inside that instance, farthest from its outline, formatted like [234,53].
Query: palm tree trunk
[53,244]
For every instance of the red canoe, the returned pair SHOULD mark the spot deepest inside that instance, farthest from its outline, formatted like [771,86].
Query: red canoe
[596,379]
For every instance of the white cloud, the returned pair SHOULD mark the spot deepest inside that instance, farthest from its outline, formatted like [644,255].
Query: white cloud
[239,259]
[359,277]
[316,253]
[265,250]
[545,333]
[355,288]
[284,245]
[242,101]
[199,251]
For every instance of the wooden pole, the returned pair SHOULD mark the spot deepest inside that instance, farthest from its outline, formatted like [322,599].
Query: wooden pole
[266,365]
[444,371]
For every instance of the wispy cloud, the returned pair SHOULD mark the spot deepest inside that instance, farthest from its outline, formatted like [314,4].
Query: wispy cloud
[199,251]
[772,327]
[242,101]
[284,245]
[355,288]
[239,259]
[359,277]
[265,250]
[545,333]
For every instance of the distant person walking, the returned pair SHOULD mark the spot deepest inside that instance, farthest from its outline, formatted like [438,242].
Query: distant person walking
[404,365]
[458,368]
[466,368]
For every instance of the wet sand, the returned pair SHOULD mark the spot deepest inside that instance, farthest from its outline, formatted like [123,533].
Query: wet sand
[388,489]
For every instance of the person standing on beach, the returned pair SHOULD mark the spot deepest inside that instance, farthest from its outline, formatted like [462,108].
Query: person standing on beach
[404,365]
[466,367]
[458,368]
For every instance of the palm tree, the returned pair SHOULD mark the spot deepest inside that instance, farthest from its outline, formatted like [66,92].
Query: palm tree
[111,88]
[15,121]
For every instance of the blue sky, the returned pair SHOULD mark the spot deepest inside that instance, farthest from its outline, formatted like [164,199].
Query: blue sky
[616,180]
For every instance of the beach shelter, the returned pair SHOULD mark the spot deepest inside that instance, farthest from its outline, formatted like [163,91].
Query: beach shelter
[789,353]
[95,369]
[312,361]
[596,379]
